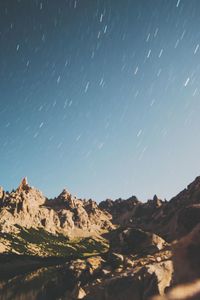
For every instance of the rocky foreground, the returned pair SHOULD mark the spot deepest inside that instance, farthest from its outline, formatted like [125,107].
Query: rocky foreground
[68,248]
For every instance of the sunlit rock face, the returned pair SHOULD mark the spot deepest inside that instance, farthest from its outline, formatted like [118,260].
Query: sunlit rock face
[27,207]
[1,192]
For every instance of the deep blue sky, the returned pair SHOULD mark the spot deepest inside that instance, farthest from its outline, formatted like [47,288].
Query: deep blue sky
[100,96]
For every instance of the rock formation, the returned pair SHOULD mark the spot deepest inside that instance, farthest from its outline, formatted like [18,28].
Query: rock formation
[169,219]
[133,240]
[122,249]
[26,207]
[186,262]
[1,193]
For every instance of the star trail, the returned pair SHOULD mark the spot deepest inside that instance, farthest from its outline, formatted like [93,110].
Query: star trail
[100,96]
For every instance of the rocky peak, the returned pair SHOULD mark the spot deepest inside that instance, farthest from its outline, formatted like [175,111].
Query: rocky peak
[155,198]
[156,201]
[195,184]
[91,206]
[24,186]
[117,204]
[1,192]
[65,200]
[65,195]
[190,195]
[23,198]
[121,210]
[28,208]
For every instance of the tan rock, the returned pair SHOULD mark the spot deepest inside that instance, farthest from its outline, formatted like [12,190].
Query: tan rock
[1,192]
[158,276]
[28,208]
[94,263]
[158,259]
[23,184]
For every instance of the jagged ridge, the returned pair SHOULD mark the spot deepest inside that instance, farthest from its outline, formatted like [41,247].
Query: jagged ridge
[26,208]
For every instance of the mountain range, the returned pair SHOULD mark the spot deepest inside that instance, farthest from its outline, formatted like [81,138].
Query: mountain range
[71,248]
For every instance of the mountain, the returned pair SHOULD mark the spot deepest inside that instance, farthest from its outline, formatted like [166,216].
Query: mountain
[69,248]
[169,219]
[26,216]
[28,208]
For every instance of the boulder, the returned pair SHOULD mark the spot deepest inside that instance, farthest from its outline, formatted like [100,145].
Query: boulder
[156,278]
[135,241]
[149,281]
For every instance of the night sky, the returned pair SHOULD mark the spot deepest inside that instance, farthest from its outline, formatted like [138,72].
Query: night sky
[100,96]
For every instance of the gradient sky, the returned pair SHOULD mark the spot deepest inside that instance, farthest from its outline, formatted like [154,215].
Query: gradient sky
[100,96]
